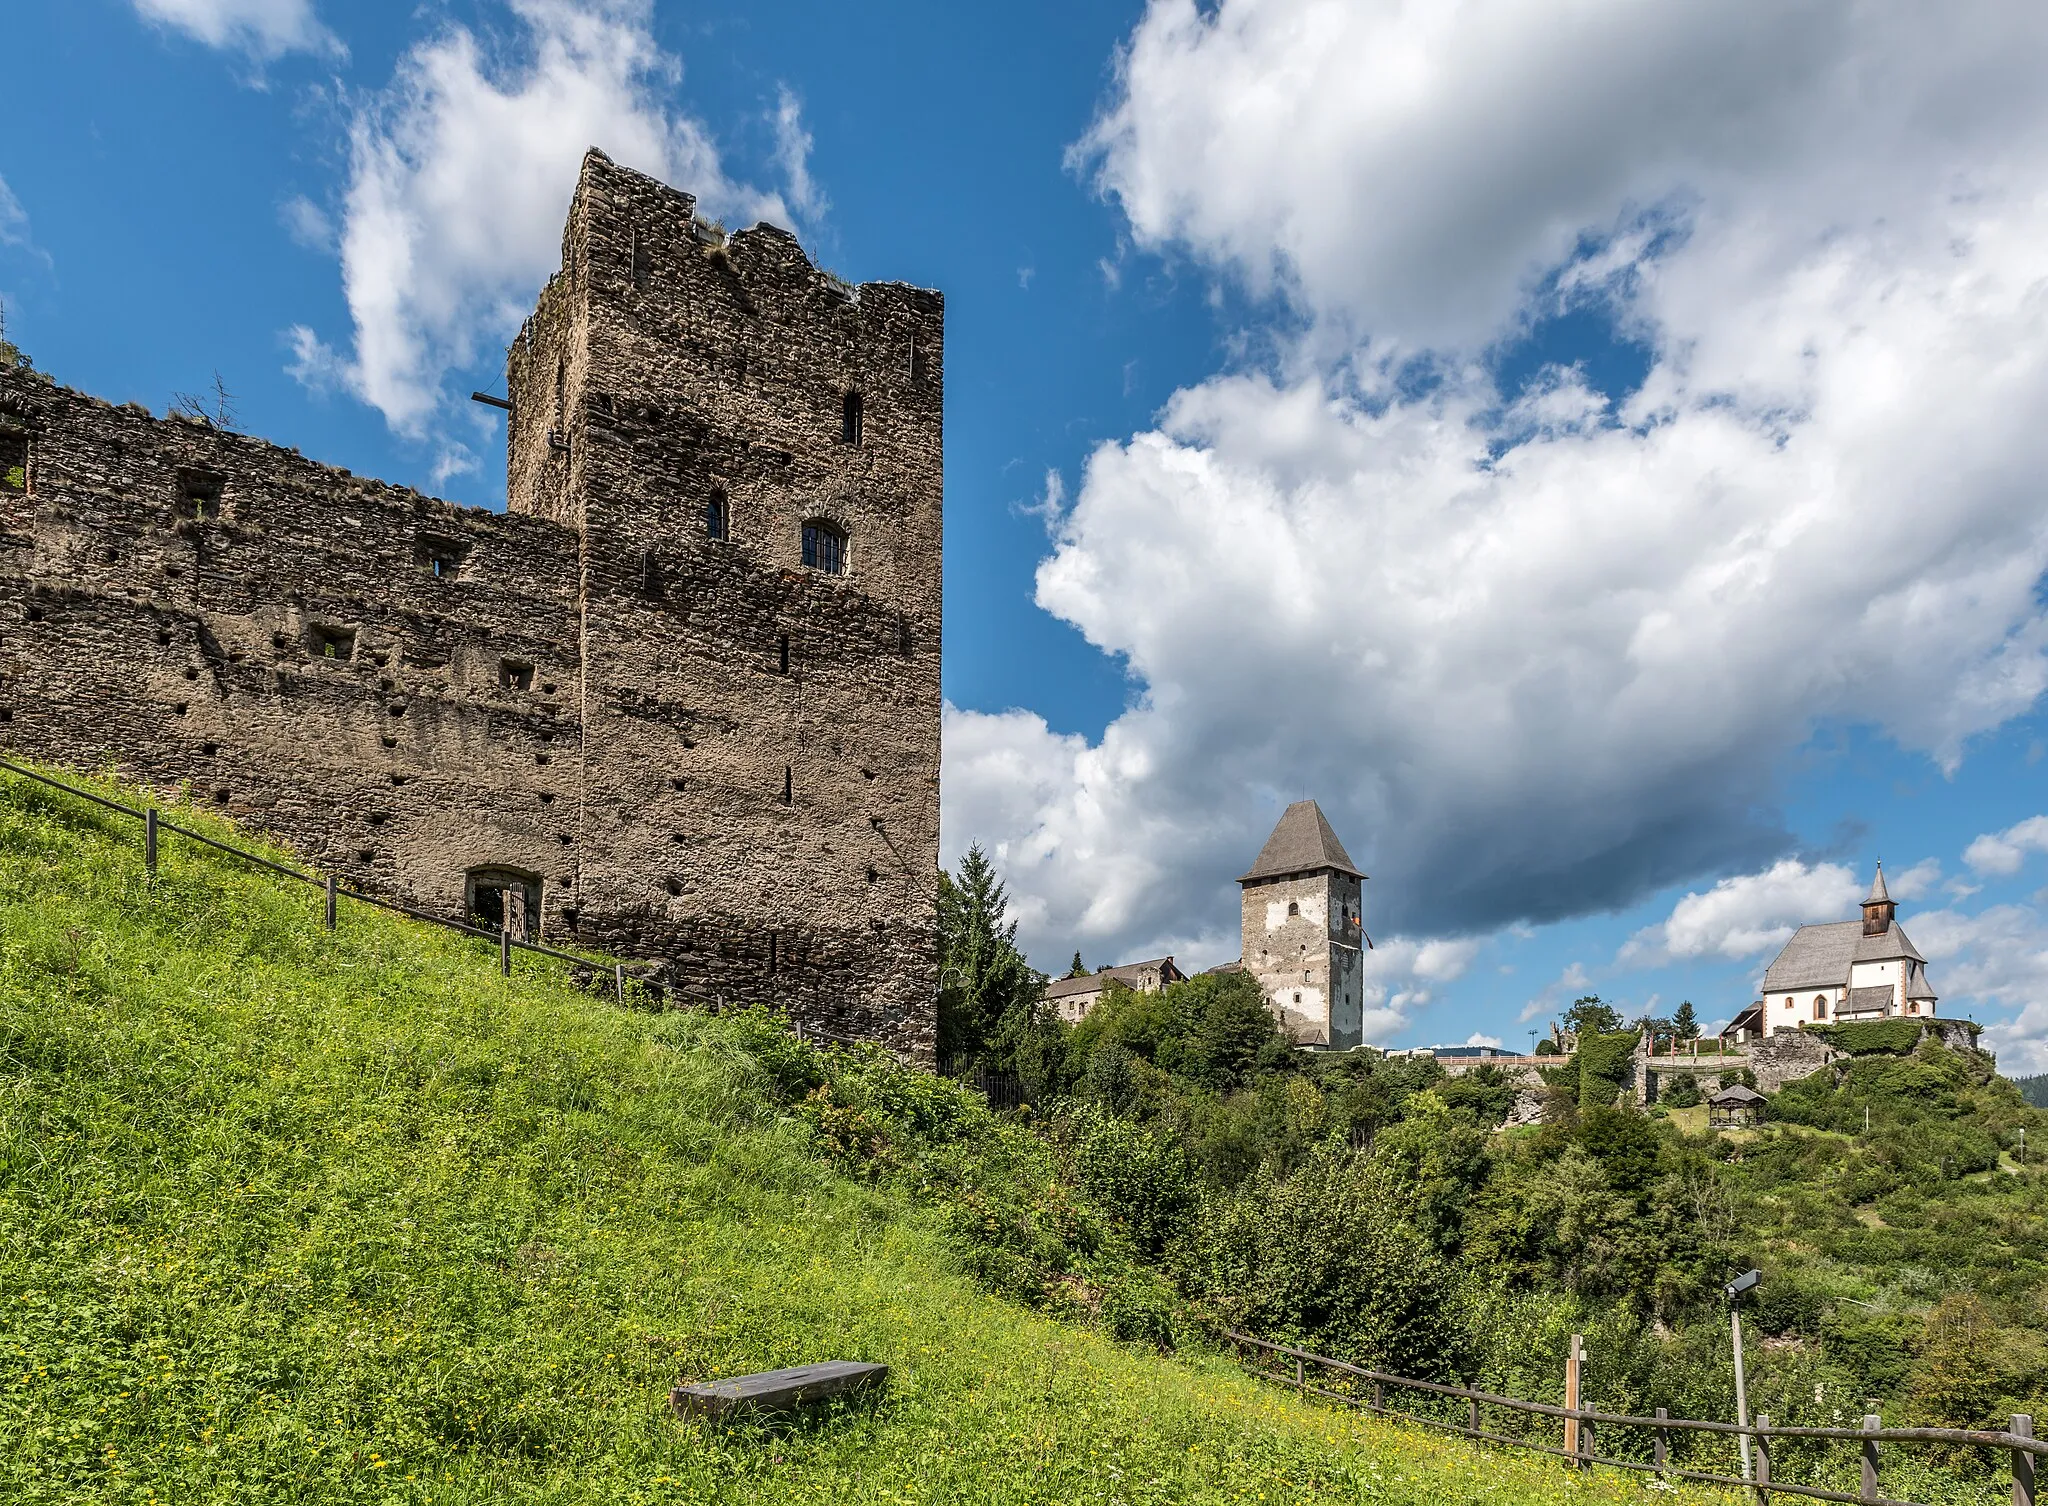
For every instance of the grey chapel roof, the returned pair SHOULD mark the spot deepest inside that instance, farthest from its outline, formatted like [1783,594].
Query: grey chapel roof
[1302,842]
[1878,893]
[1820,956]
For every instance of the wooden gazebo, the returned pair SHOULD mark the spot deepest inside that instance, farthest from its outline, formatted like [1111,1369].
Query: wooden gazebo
[1735,1107]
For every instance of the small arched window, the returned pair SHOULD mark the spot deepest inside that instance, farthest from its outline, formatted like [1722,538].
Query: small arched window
[1293,908]
[715,519]
[824,548]
[1820,1006]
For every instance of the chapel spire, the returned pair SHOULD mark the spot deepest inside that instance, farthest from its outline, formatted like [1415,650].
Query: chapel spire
[1878,910]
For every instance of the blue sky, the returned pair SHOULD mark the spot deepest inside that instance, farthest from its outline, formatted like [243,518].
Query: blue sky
[1601,470]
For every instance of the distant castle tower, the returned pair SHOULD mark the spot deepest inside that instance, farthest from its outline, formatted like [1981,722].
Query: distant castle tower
[1303,930]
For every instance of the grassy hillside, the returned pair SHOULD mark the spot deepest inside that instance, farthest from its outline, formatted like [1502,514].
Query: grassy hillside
[287,1216]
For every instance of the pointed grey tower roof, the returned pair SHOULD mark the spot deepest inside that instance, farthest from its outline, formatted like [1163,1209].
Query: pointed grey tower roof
[1302,842]
[1878,893]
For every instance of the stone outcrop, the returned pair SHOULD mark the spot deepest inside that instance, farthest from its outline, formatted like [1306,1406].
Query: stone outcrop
[681,701]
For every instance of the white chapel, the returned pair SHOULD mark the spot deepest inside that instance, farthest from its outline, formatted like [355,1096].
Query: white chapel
[1846,971]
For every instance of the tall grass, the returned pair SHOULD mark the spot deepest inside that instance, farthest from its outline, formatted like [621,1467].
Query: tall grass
[288,1216]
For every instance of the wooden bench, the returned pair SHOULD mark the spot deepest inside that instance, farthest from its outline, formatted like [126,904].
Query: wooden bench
[778,1390]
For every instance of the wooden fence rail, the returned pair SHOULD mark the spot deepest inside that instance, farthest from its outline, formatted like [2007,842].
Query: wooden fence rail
[1289,1366]
[154,825]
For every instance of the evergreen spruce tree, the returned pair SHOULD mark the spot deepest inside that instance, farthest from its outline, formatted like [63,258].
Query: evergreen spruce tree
[1079,969]
[989,997]
[1684,1023]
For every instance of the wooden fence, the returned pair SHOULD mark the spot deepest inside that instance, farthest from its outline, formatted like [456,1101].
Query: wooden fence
[155,826]
[1355,1386]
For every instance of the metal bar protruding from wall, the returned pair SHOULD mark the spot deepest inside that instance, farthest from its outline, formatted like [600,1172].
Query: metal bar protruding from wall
[149,840]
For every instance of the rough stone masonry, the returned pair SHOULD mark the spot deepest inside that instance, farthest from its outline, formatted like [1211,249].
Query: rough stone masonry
[681,701]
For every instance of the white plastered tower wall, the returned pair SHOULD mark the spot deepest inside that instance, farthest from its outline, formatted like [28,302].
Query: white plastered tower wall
[1303,931]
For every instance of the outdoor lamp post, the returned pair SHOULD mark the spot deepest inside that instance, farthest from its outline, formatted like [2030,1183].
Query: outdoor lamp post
[1745,1282]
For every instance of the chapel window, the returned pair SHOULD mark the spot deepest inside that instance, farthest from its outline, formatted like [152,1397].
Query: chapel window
[849,419]
[824,548]
[715,519]
[1820,1007]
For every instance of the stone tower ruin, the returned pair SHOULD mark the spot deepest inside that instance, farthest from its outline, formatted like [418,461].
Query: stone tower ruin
[1303,929]
[680,701]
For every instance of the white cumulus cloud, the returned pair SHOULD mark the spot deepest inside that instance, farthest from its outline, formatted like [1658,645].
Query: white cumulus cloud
[264,29]
[459,180]
[1541,652]
[2001,853]
[1749,914]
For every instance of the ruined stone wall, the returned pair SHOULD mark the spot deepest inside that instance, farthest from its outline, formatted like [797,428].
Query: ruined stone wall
[704,751]
[168,597]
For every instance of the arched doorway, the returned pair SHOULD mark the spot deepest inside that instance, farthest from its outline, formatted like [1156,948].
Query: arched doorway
[507,897]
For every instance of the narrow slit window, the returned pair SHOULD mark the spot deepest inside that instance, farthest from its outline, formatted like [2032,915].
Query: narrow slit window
[903,642]
[824,548]
[849,418]
[325,642]
[515,674]
[771,952]
[640,259]
[788,783]
[782,654]
[650,576]
[716,521]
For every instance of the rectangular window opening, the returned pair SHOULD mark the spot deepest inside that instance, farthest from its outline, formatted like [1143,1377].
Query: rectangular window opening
[788,783]
[650,575]
[13,461]
[903,643]
[771,952]
[199,495]
[515,674]
[715,517]
[324,642]
[439,557]
[849,419]
[782,654]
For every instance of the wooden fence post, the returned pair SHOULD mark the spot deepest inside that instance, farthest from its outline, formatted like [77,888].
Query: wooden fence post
[149,840]
[1379,1397]
[2022,1463]
[1763,1458]
[1571,1394]
[505,950]
[1871,1423]
[330,901]
[1472,1415]
[1300,1378]
[1662,1446]
[619,980]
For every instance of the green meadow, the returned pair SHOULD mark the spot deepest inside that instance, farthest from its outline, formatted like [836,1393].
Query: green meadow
[296,1216]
